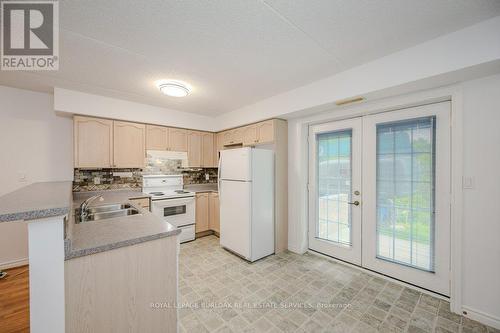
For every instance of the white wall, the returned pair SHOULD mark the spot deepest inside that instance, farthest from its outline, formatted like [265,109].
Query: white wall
[433,63]
[75,102]
[481,232]
[33,142]
[481,160]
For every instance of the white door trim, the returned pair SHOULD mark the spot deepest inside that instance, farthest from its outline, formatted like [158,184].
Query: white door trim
[298,175]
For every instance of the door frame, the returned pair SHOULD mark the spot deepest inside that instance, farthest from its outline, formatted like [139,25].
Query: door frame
[298,175]
[351,253]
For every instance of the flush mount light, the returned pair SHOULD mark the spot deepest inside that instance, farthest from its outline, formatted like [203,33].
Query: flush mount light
[173,88]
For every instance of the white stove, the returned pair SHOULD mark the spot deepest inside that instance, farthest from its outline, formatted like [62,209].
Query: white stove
[172,203]
[160,195]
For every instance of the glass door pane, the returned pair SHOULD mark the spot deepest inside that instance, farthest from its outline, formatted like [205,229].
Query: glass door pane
[405,192]
[333,169]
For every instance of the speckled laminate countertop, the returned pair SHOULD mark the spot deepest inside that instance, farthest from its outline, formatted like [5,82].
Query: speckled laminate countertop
[198,188]
[36,201]
[104,235]
[51,199]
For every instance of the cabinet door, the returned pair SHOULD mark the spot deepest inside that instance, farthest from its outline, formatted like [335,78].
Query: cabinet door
[194,149]
[227,138]
[220,144]
[129,143]
[208,150]
[177,139]
[216,152]
[265,131]
[141,202]
[238,136]
[201,212]
[93,142]
[214,222]
[156,137]
[249,135]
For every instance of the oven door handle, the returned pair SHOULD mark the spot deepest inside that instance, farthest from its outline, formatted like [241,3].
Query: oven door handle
[172,202]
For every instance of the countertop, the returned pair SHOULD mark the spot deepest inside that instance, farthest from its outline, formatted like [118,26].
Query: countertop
[51,199]
[36,201]
[98,236]
[199,188]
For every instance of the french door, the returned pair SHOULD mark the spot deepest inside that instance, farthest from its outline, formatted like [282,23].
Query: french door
[334,188]
[396,221]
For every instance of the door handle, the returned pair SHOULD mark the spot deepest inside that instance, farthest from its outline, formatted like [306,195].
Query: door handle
[355,203]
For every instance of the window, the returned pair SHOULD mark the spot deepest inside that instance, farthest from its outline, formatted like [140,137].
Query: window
[334,186]
[405,192]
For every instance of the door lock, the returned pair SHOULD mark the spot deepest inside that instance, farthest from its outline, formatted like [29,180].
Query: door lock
[357,193]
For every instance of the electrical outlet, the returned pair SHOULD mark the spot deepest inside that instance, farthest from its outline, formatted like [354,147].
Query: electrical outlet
[22,177]
[207,176]
[97,180]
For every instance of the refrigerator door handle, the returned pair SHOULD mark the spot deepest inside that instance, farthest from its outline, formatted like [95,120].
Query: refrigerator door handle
[219,172]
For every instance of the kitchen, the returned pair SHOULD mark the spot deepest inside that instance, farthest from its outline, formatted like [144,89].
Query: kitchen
[249,166]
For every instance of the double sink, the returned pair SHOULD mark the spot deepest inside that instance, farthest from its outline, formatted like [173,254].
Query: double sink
[104,212]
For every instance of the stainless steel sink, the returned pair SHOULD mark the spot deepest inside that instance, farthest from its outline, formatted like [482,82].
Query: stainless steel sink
[110,215]
[105,212]
[107,208]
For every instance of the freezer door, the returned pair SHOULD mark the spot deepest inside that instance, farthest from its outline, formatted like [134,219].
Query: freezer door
[235,164]
[235,215]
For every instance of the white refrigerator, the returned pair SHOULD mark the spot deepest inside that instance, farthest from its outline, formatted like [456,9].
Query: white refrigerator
[246,194]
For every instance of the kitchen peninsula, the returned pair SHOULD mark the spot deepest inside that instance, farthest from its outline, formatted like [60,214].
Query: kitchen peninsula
[100,275]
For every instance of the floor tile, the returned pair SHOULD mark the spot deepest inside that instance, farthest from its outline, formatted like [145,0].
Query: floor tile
[300,293]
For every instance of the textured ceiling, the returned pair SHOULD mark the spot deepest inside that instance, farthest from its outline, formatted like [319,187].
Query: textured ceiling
[233,52]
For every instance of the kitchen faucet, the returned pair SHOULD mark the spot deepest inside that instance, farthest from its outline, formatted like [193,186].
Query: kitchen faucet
[86,203]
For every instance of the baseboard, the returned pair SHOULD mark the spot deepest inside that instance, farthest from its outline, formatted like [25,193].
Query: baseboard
[481,317]
[14,263]
[296,249]
[204,233]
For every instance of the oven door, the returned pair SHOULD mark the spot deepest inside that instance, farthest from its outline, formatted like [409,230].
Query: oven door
[178,212]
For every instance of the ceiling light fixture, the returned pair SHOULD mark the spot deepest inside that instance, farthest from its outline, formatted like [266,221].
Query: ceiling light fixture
[173,88]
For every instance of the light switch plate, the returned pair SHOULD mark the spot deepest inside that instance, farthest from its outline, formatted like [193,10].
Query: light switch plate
[207,176]
[468,182]
[97,180]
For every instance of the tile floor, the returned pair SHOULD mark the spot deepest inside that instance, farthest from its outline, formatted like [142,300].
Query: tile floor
[220,292]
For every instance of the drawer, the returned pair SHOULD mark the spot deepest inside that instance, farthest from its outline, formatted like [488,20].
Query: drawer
[143,202]
[187,234]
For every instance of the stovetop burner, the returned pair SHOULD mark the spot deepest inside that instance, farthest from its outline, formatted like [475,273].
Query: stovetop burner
[157,193]
[181,191]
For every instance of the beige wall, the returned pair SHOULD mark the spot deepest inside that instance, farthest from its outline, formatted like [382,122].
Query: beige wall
[33,142]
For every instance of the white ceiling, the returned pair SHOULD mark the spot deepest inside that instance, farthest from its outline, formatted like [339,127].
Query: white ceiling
[233,52]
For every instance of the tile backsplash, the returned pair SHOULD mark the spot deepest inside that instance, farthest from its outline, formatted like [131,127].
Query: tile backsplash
[198,176]
[116,179]
[106,179]
[157,162]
